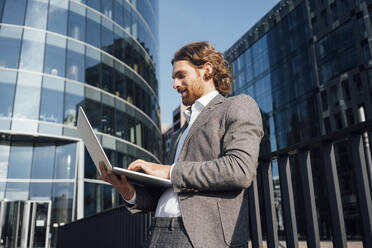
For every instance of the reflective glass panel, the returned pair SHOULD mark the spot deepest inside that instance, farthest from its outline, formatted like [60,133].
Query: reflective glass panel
[14,12]
[107,8]
[109,197]
[93,67]
[36,14]
[2,190]
[51,108]
[4,159]
[40,191]
[93,112]
[90,170]
[75,61]
[27,98]
[108,119]
[65,161]
[135,24]
[74,97]
[92,198]
[118,12]
[120,83]
[62,197]
[7,86]
[20,160]
[10,42]
[55,54]
[1,7]
[57,18]
[43,161]
[17,191]
[107,74]
[127,17]
[107,36]
[93,28]
[95,4]
[76,22]
[32,52]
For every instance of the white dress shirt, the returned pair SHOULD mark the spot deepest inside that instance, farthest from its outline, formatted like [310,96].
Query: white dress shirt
[168,205]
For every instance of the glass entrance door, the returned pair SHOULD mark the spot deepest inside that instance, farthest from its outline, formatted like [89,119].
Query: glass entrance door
[24,223]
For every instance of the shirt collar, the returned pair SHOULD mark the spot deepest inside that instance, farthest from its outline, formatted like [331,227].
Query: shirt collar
[199,104]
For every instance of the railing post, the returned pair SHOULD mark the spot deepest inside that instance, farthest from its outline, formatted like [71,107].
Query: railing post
[313,239]
[334,196]
[364,194]
[288,202]
[268,189]
[254,215]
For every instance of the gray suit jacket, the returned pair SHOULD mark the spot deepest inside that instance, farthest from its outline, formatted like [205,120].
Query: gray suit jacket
[216,164]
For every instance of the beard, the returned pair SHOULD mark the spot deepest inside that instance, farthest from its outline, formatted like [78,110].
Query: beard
[193,92]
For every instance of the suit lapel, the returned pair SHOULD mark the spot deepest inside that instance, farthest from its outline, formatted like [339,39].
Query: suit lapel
[202,118]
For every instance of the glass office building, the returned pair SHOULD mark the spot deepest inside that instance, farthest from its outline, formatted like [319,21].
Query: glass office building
[57,55]
[308,65]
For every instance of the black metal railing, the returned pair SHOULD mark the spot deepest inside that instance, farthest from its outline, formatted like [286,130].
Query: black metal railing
[361,162]
[118,228]
[113,228]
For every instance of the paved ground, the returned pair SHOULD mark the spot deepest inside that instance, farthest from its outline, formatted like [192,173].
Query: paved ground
[323,244]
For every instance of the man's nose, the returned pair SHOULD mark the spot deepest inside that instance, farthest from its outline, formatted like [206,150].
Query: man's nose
[176,83]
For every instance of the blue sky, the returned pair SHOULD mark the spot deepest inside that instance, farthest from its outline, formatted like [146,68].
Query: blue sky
[220,22]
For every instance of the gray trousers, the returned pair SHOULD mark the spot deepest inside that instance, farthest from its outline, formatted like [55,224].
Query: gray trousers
[167,233]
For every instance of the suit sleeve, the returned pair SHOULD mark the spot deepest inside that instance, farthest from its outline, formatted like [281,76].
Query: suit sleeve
[236,167]
[146,200]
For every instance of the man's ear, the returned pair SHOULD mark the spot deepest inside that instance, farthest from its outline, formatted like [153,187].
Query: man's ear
[208,71]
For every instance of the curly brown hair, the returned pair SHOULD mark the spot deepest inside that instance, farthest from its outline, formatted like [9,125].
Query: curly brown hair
[201,52]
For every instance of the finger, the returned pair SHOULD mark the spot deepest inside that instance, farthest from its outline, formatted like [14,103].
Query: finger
[123,179]
[113,178]
[135,166]
[102,167]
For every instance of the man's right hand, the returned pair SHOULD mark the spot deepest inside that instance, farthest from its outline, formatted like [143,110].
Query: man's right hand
[120,184]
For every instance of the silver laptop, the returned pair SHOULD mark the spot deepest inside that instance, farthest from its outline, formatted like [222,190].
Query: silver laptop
[97,154]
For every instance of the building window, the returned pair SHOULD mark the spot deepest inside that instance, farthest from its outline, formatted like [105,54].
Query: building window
[349,116]
[346,90]
[76,21]
[312,5]
[55,48]
[333,8]
[28,87]
[334,95]
[323,15]
[327,125]
[358,2]
[51,107]
[7,89]
[315,25]
[57,17]
[338,121]
[370,83]
[36,14]
[366,52]
[345,5]
[14,12]
[362,25]
[358,84]
[324,97]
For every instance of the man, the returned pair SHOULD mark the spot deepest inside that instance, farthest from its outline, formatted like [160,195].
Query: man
[215,160]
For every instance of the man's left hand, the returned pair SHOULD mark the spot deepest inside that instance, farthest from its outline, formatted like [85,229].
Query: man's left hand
[158,170]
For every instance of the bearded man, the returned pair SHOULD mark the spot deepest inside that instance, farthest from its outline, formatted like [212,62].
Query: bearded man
[215,160]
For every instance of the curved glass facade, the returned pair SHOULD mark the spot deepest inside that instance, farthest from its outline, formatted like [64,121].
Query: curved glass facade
[57,55]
